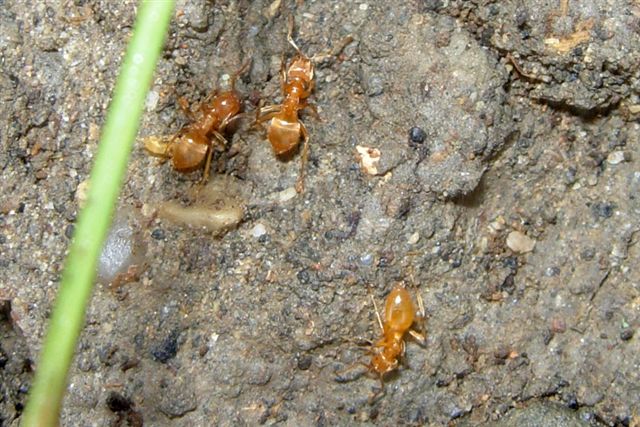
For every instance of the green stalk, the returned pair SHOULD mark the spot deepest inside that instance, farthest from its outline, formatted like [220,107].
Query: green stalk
[118,135]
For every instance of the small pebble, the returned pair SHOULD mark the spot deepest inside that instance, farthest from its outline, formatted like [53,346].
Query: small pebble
[258,231]
[417,135]
[570,176]
[366,259]
[118,403]
[167,348]
[158,234]
[511,263]
[626,334]
[303,276]
[152,100]
[552,271]
[375,86]
[520,243]
[68,231]
[304,362]
[273,9]
[197,16]
[3,358]
[39,118]
[603,209]
[369,158]
[81,192]
[615,157]
[588,254]
[286,195]
[558,326]
[572,402]
[413,239]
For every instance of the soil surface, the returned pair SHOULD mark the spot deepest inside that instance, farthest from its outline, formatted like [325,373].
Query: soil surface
[503,187]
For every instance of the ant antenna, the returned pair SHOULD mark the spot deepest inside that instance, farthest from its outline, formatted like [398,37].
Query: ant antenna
[290,38]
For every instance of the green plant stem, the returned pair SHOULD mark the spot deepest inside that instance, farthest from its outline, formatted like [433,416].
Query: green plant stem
[118,135]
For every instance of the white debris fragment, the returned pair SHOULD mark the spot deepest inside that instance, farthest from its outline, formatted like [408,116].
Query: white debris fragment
[286,195]
[122,247]
[368,158]
[615,157]
[259,230]
[520,243]
[413,239]
[272,10]
[82,192]
[152,100]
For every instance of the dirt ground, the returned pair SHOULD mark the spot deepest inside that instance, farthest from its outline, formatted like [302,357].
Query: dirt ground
[506,194]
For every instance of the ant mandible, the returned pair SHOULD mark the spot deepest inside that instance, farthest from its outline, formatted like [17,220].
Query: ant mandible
[286,128]
[400,315]
[192,146]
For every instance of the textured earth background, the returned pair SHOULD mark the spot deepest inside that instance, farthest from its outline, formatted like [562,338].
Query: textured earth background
[513,211]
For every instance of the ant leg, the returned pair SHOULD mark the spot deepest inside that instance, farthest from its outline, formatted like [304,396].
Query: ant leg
[360,342]
[341,375]
[272,111]
[207,164]
[229,120]
[421,311]
[207,167]
[420,337]
[314,111]
[377,314]
[220,138]
[243,68]
[290,38]
[265,113]
[422,314]
[283,74]
[378,393]
[333,53]
[209,97]
[304,158]
[184,106]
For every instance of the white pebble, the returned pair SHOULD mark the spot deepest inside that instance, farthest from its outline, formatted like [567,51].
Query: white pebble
[152,100]
[413,239]
[615,157]
[286,195]
[259,230]
[520,243]
[82,192]
[368,158]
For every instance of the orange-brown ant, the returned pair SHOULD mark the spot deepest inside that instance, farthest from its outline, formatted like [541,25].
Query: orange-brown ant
[285,128]
[192,146]
[400,315]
